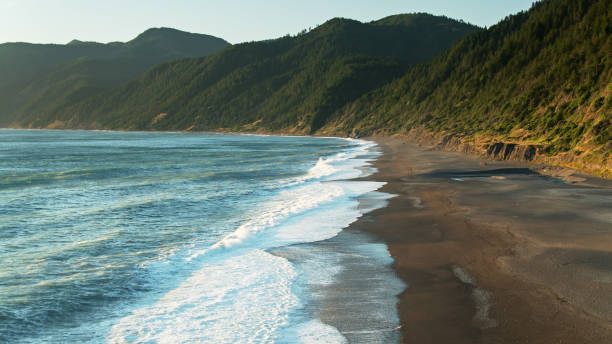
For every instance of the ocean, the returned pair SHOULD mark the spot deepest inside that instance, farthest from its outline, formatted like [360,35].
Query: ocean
[148,237]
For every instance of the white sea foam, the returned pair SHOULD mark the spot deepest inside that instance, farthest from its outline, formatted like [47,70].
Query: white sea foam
[242,299]
[343,165]
[316,332]
[241,293]
[320,169]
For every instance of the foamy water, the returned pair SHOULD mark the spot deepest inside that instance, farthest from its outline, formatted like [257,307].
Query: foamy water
[161,237]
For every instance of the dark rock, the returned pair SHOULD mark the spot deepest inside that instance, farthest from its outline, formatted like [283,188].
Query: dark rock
[511,151]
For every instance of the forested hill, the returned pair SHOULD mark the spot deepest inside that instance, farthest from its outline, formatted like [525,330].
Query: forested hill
[39,78]
[290,84]
[541,79]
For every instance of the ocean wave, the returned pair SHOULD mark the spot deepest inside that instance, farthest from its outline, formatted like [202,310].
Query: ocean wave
[175,252]
[243,294]
[243,299]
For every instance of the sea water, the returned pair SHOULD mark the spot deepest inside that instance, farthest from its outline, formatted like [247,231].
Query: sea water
[132,237]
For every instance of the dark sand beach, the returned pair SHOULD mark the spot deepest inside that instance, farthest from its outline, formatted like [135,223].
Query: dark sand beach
[493,252]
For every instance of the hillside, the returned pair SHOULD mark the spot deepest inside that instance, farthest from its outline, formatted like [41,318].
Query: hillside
[38,78]
[536,86]
[540,79]
[290,84]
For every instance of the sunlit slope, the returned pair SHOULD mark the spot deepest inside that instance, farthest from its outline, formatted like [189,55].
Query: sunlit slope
[541,77]
[290,84]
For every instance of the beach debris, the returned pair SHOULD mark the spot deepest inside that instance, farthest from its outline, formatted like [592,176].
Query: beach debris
[483,300]
[416,202]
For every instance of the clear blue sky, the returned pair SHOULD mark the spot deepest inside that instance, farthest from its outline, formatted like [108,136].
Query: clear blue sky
[59,21]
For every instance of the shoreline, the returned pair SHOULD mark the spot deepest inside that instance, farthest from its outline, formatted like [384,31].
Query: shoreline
[493,252]
[550,167]
[350,288]
[349,285]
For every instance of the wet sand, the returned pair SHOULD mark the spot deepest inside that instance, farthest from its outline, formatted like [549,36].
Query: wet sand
[493,252]
[351,284]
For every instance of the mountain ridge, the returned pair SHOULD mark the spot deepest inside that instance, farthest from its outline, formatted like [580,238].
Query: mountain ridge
[538,80]
[290,81]
[36,71]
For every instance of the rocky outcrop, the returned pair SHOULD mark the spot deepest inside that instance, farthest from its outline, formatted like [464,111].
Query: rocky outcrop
[497,150]
[512,151]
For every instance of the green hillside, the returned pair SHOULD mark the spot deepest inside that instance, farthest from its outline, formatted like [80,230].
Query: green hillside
[39,78]
[291,84]
[540,78]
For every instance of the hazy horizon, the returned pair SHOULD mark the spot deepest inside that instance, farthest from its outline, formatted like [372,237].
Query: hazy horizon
[32,22]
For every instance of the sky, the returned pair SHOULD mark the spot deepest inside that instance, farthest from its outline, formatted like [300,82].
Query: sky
[60,21]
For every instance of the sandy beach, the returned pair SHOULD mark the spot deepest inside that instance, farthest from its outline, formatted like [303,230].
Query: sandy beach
[493,252]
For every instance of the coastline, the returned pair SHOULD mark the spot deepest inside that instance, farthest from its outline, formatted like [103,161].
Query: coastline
[347,281]
[549,166]
[201,259]
[493,252]
[490,252]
